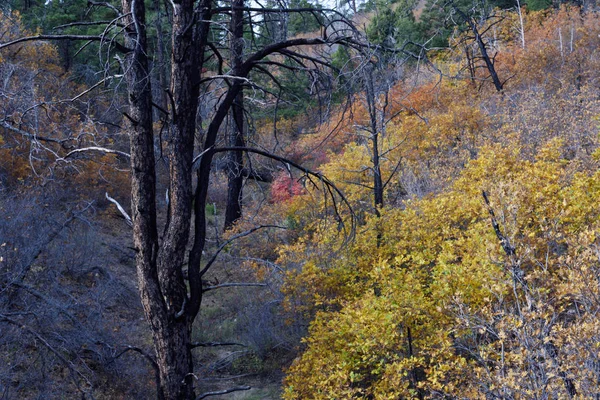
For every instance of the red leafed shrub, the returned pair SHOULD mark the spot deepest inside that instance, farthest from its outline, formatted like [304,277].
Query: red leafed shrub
[285,187]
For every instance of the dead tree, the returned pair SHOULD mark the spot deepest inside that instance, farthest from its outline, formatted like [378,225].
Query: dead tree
[477,35]
[233,212]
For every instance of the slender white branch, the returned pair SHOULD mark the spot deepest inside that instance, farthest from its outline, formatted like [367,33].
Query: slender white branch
[120,208]
[199,156]
[95,86]
[96,148]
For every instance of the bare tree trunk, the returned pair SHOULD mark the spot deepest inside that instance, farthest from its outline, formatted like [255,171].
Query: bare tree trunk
[235,183]
[486,57]
[375,132]
[161,64]
[143,184]
[161,282]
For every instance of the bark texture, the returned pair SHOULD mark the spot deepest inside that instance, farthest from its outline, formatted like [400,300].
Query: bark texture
[235,183]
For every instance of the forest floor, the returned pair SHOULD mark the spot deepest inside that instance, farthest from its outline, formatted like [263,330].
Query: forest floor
[224,317]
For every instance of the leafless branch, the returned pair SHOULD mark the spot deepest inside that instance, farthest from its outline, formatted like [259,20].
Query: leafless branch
[104,4]
[120,208]
[74,371]
[331,188]
[94,86]
[232,284]
[96,148]
[147,356]
[221,392]
[49,37]
[193,345]
[83,23]
[28,135]
[238,236]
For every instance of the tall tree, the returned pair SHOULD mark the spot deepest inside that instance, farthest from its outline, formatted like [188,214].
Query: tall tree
[233,212]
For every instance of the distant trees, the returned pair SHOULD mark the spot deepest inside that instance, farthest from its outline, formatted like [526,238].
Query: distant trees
[437,23]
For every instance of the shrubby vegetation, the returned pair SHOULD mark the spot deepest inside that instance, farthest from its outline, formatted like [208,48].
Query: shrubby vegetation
[480,280]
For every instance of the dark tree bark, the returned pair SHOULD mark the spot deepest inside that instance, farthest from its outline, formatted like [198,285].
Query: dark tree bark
[375,131]
[161,281]
[161,64]
[143,206]
[235,183]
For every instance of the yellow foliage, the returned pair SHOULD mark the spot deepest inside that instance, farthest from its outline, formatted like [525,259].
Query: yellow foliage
[435,307]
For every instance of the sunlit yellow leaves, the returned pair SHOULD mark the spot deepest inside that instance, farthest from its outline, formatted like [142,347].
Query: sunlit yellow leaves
[439,271]
[511,313]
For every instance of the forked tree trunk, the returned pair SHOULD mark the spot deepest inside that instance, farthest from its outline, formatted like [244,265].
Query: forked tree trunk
[160,279]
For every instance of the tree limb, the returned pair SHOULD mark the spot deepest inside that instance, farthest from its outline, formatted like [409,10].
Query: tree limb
[50,37]
[221,392]
[327,183]
[193,345]
[120,208]
[28,135]
[233,284]
[95,38]
[238,236]
[96,148]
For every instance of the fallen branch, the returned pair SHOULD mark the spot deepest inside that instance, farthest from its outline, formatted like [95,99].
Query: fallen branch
[233,284]
[220,392]
[193,345]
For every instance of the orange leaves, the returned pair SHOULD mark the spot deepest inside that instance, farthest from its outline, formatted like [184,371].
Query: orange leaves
[31,55]
[559,50]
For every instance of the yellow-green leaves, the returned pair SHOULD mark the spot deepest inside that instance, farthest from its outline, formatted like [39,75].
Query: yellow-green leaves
[435,306]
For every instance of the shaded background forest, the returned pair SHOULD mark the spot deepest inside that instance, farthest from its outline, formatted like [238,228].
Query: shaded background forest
[438,291]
